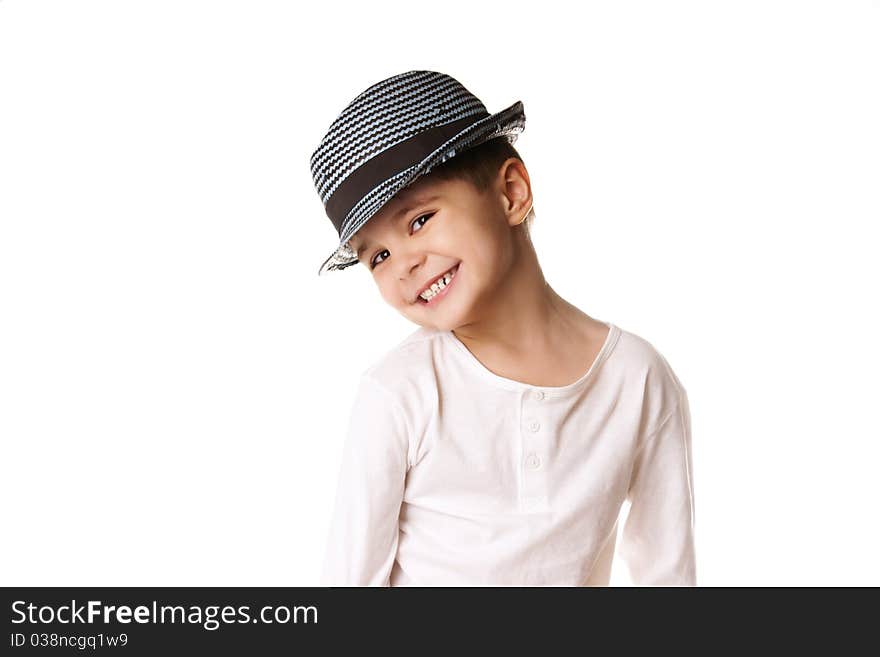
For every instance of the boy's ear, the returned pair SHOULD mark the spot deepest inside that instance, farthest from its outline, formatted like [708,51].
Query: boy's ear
[515,190]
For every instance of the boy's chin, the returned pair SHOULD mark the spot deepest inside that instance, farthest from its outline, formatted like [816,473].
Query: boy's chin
[441,322]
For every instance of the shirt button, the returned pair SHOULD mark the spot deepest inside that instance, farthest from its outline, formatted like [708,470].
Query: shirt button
[534,425]
[538,394]
[533,461]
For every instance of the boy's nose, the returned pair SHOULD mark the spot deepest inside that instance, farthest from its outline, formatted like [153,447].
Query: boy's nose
[410,262]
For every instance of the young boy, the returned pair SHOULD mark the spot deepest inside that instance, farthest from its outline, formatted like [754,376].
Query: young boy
[497,443]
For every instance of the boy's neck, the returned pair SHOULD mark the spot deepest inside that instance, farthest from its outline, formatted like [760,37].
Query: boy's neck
[527,327]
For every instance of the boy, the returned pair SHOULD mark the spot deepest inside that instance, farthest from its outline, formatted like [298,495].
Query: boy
[496,444]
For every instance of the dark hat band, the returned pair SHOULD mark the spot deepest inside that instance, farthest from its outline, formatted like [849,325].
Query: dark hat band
[389,162]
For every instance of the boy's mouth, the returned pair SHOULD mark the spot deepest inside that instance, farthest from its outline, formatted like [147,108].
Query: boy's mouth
[438,289]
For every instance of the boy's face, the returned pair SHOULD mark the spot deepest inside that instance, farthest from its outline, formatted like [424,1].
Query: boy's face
[437,226]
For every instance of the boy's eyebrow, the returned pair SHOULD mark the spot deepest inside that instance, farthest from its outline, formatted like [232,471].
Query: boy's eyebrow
[409,207]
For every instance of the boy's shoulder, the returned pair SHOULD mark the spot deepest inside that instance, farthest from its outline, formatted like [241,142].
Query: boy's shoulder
[408,372]
[642,355]
[641,365]
[407,359]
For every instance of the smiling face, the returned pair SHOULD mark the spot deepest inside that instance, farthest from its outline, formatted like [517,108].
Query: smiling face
[437,227]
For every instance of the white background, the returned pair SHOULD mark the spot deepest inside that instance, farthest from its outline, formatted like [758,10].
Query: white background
[175,378]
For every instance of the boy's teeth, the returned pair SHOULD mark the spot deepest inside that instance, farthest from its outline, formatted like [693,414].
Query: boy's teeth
[436,287]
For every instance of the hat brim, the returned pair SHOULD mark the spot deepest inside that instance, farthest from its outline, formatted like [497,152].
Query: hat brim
[508,122]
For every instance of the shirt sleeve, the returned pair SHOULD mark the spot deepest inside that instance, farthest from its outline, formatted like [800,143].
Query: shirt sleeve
[657,543]
[362,542]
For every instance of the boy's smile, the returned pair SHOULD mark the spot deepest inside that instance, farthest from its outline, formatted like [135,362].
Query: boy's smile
[432,293]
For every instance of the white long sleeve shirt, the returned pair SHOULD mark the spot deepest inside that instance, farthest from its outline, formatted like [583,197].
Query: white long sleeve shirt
[454,475]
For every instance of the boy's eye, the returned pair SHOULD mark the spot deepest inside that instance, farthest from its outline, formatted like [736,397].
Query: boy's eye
[416,222]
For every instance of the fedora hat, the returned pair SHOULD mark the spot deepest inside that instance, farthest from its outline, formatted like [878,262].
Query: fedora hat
[391,134]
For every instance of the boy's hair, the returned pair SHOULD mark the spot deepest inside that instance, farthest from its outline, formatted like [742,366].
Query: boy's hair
[479,166]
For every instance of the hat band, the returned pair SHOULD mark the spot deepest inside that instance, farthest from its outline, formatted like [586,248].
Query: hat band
[387,163]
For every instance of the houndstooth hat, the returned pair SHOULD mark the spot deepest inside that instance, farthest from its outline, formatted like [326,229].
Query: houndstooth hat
[388,136]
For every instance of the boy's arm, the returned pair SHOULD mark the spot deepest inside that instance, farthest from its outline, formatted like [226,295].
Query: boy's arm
[362,542]
[657,543]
